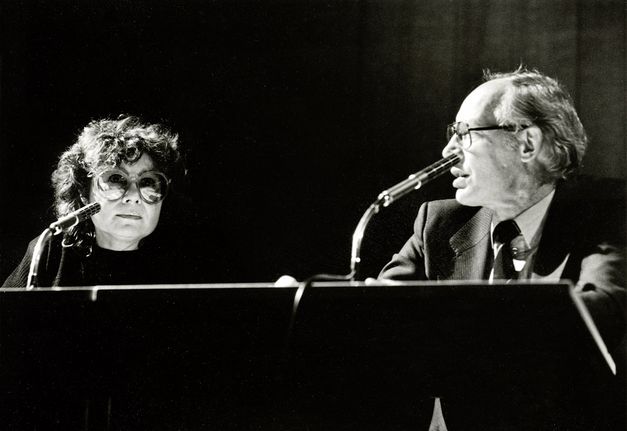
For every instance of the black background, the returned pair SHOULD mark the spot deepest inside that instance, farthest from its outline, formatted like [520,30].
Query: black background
[294,114]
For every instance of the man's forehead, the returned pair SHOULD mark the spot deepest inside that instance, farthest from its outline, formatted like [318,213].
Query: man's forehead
[478,107]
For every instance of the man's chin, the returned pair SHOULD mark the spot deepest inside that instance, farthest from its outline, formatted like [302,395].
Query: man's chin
[465,198]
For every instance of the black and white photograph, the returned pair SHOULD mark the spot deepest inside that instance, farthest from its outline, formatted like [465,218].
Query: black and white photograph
[391,215]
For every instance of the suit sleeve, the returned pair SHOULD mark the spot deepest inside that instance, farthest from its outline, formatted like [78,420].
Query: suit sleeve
[408,263]
[601,285]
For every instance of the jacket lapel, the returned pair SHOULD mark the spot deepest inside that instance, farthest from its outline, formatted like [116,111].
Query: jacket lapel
[471,247]
[564,220]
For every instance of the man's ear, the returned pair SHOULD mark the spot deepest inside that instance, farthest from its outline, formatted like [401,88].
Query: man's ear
[530,143]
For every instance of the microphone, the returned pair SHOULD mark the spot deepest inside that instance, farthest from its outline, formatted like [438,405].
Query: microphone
[387,197]
[65,222]
[417,180]
[75,217]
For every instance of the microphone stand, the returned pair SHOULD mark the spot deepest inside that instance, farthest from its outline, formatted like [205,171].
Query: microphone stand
[385,199]
[389,196]
[37,251]
[65,222]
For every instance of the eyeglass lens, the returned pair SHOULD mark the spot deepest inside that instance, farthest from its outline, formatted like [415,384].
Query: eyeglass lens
[114,184]
[461,131]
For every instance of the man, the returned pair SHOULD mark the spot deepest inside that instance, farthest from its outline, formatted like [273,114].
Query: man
[520,139]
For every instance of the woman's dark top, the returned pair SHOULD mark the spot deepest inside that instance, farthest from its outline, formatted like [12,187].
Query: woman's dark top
[68,266]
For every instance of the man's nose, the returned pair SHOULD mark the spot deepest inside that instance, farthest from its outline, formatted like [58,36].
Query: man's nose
[451,147]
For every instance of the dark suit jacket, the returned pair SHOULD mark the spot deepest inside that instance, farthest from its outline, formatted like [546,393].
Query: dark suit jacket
[584,227]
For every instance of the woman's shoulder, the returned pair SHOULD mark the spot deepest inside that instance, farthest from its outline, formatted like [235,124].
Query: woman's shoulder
[51,256]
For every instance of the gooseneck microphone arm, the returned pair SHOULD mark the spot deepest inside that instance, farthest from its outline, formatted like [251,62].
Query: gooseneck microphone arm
[389,196]
[55,228]
[385,198]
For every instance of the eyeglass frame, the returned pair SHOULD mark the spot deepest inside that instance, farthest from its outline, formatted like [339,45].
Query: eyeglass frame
[451,130]
[134,179]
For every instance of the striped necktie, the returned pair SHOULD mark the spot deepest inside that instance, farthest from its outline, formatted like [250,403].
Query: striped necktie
[503,234]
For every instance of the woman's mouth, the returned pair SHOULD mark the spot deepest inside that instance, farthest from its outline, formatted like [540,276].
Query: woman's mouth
[129,216]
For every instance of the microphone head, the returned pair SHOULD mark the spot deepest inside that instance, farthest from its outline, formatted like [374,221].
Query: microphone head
[88,211]
[75,217]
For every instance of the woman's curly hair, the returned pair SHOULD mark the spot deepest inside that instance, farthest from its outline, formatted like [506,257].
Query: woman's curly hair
[105,144]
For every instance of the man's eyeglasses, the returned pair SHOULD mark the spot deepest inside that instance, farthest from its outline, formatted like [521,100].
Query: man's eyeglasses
[462,130]
[115,183]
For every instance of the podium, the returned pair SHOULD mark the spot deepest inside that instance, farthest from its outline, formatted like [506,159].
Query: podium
[348,356]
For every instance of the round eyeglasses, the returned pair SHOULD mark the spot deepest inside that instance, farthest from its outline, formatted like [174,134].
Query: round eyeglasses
[462,131]
[115,183]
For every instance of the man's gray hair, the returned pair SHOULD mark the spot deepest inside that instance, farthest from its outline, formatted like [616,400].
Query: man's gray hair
[536,99]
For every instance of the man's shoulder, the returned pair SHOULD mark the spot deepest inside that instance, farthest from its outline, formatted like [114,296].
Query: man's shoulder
[590,207]
[591,198]
[592,188]
[447,215]
[450,209]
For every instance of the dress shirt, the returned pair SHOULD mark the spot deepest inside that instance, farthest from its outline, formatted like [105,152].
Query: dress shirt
[530,222]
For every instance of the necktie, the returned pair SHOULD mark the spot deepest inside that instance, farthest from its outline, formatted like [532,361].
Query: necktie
[503,234]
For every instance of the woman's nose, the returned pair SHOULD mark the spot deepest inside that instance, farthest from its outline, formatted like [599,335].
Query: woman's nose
[132,194]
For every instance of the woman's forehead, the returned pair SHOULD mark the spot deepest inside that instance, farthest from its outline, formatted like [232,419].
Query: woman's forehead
[144,163]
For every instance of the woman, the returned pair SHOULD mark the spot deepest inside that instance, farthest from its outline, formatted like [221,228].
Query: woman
[127,167]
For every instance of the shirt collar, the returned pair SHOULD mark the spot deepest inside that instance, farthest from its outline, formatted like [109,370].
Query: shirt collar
[530,221]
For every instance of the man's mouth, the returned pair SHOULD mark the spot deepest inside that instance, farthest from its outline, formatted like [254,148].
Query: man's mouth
[460,177]
[456,172]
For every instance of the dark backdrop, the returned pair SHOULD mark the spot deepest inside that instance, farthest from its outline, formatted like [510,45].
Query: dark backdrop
[295,114]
